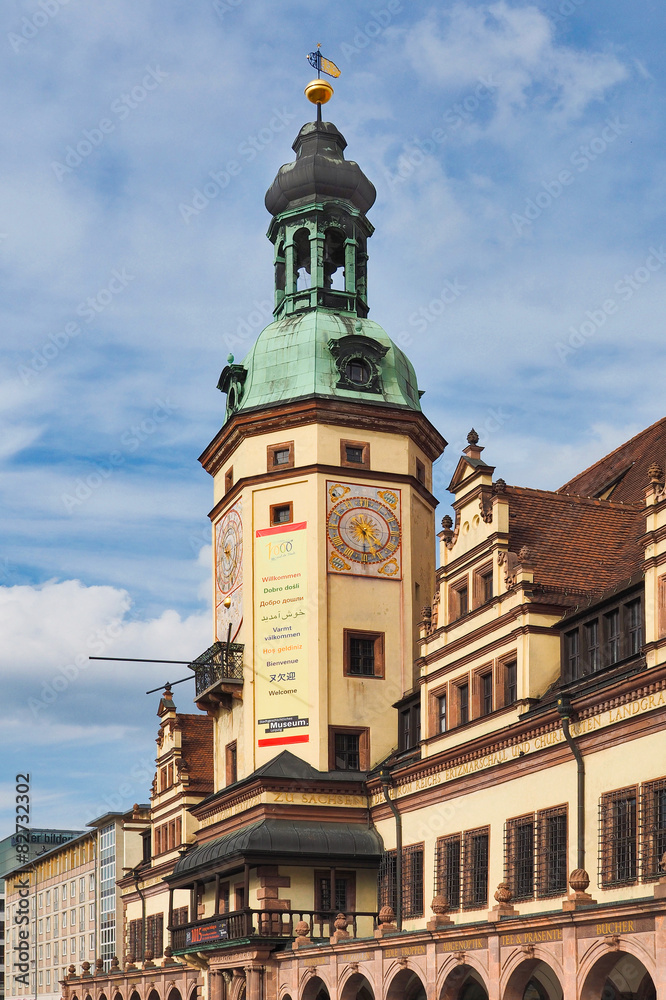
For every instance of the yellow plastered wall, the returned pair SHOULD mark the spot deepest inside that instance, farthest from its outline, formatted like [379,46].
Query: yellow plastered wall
[334,603]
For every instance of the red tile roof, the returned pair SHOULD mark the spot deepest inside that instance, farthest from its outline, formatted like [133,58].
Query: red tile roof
[575,542]
[625,469]
[197,750]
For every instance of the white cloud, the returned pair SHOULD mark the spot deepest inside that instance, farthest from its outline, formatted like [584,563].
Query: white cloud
[515,50]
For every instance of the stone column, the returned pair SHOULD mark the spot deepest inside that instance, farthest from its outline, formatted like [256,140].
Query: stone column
[254,978]
[569,962]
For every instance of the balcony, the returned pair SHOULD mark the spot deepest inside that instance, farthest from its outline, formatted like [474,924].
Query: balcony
[276,924]
[218,675]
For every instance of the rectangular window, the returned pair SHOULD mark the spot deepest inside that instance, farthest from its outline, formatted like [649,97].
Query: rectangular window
[355,454]
[347,752]
[55,923]
[64,919]
[48,925]
[486,693]
[40,900]
[64,891]
[592,647]
[181,915]
[231,759]
[91,912]
[82,888]
[510,682]
[280,456]
[135,941]
[344,892]
[653,828]
[612,624]
[448,856]
[282,513]
[412,881]
[634,618]
[463,600]
[72,918]
[475,871]
[572,646]
[483,585]
[154,932]
[363,653]
[48,897]
[618,840]
[348,749]
[228,479]
[552,851]
[463,703]
[55,898]
[441,713]
[519,856]
[361,656]
[409,732]
[420,471]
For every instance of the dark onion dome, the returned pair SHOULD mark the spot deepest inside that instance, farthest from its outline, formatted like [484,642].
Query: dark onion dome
[319,172]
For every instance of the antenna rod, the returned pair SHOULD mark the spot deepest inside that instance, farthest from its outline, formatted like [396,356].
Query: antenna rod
[134,659]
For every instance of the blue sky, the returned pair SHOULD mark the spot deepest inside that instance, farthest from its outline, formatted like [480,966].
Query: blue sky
[518,259]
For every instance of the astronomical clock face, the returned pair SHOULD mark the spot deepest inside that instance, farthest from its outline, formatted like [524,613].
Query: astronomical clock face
[229,573]
[363,531]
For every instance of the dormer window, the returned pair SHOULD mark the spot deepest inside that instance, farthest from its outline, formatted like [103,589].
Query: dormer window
[358,371]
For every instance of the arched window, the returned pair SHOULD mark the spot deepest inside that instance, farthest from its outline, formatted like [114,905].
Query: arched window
[302,265]
[334,259]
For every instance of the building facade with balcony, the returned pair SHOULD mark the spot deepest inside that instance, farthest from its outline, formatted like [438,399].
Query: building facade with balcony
[409,782]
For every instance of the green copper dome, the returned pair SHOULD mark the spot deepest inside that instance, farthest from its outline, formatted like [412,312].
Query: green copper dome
[321,353]
[321,342]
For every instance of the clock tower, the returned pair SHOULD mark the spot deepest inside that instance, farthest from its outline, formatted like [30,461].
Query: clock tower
[323,517]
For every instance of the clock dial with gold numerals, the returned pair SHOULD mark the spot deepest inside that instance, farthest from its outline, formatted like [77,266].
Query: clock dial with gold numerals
[363,530]
[229,573]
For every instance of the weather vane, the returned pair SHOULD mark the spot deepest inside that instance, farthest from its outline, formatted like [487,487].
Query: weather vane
[320,91]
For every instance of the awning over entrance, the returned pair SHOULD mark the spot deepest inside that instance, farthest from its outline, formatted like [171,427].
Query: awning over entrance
[273,840]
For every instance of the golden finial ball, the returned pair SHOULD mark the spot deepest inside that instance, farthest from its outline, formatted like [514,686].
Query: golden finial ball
[319,91]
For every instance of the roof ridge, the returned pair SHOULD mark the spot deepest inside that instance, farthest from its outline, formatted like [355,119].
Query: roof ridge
[589,501]
[615,451]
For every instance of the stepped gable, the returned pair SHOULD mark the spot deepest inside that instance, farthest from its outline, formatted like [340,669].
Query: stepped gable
[197,751]
[622,475]
[575,541]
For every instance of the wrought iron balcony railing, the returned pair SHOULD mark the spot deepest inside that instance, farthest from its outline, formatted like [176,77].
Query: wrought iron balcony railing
[221,662]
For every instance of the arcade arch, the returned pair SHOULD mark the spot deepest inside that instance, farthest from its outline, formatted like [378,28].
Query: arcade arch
[533,980]
[316,989]
[463,983]
[357,987]
[618,975]
[406,986]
